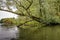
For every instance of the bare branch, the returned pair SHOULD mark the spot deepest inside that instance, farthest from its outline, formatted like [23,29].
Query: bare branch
[30,4]
[18,5]
[32,17]
[29,1]
[13,12]
[22,6]
[7,5]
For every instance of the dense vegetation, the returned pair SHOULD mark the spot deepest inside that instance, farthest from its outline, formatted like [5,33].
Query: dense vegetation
[37,20]
[8,21]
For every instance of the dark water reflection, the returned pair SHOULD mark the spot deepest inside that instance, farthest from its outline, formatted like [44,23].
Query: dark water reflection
[8,33]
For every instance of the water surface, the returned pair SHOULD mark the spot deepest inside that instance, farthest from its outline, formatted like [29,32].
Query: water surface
[8,33]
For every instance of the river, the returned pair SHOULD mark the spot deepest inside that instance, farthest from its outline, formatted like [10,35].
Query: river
[8,33]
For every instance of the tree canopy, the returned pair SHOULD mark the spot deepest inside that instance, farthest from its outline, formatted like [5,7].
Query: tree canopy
[42,11]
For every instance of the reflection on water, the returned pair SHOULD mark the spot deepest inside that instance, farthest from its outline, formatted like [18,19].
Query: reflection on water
[8,33]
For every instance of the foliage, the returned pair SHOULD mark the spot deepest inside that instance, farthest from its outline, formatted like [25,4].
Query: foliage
[8,21]
[50,10]
[42,11]
[33,15]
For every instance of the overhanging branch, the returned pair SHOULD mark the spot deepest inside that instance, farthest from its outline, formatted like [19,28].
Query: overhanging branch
[32,17]
[13,12]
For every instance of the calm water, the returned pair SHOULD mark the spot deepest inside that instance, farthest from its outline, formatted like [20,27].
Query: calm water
[8,33]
